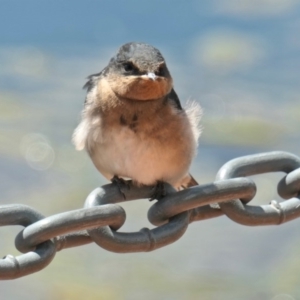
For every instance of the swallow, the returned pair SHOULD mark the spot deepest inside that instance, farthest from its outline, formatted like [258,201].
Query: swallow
[133,125]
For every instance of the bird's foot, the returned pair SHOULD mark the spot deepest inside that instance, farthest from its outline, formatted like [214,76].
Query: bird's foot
[159,191]
[122,184]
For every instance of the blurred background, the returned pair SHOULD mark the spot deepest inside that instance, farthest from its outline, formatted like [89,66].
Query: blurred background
[240,59]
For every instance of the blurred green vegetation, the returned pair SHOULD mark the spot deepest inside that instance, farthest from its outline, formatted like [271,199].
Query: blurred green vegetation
[245,132]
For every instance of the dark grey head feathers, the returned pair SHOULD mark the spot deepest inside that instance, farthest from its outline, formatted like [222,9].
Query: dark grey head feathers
[141,52]
[134,59]
[138,59]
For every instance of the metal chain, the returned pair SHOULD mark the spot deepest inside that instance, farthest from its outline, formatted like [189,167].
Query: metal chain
[101,217]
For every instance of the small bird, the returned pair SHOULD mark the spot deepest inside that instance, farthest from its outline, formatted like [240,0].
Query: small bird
[133,125]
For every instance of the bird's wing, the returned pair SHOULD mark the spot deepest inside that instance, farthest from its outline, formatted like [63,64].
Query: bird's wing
[190,180]
[82,130]
[91,83]
[174,99]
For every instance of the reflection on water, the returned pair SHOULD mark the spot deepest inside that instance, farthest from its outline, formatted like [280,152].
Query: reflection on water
[37,151]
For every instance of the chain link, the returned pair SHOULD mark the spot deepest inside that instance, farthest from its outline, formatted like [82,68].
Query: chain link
[273,214]
[101,217]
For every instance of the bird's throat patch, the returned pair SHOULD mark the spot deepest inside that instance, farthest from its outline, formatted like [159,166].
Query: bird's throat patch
[140,87]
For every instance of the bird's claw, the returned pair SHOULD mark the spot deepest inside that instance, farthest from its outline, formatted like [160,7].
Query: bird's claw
[123,185]
[159,191]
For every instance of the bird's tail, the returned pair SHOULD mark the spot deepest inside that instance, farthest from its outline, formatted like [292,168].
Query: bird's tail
[189,182]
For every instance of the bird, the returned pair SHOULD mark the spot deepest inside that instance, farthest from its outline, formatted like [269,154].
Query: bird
[133,125]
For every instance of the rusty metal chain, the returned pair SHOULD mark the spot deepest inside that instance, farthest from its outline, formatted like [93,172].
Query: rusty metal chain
[101,218]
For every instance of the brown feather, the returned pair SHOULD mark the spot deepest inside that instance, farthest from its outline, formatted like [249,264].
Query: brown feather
[189,182]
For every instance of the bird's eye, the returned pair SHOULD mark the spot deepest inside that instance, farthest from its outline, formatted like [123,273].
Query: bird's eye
[160,71]
[128,66]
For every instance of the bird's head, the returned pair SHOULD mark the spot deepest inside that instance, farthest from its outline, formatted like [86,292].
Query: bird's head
[139,72]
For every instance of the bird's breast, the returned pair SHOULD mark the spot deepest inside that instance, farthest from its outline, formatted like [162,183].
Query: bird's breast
[145,150]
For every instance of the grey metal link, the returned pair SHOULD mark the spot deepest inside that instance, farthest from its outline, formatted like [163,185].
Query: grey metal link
[145,239]
[289,185]
[80,219]
[273,214]
[195,197]
[18,214]
[102,217]
[14,267]
[205,212]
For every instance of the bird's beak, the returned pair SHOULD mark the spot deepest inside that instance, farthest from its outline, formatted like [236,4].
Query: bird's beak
[151,75]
